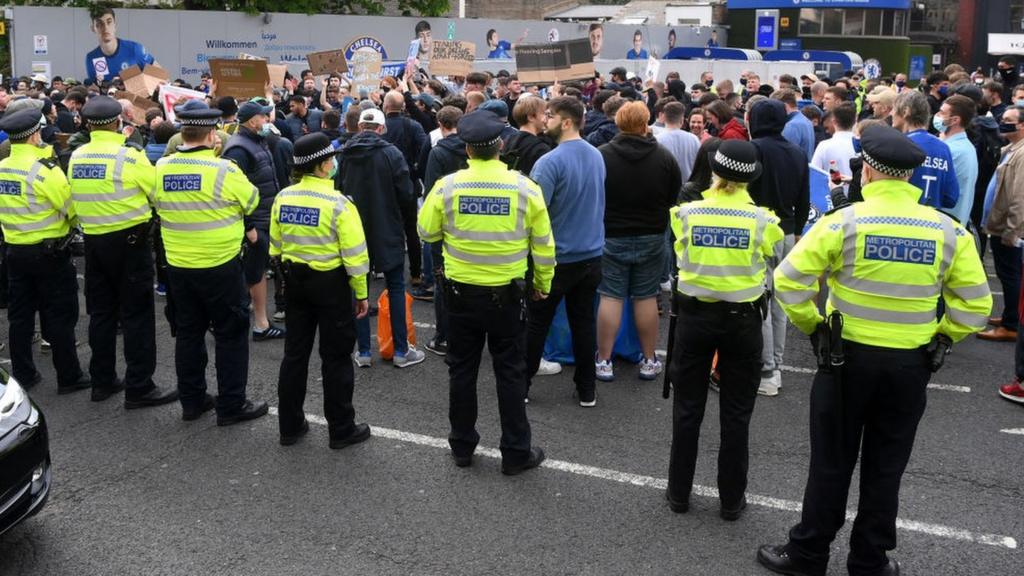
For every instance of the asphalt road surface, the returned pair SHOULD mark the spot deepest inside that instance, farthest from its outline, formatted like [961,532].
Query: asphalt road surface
[142,492]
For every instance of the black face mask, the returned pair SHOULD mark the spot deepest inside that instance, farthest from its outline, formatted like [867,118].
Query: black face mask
[709,83]
[1006,72]
[806,92]
[1007,128]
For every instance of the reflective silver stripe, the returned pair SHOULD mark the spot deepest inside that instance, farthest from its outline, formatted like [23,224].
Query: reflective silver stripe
[192,161]
[744,295]
[721,271]
[354,251]
[486,258]
[849,221]
[447,198]
[966,318]
[194,226]
[878,315]
[358,270]
[544,260]
[970,292]
[14,171]
[761,219]
[100,156]
[948,247]
[790,272]
[306,240]
[428,237]
[24,210]
[118,194]
[200,205]
[684,217]
[118,169]
[33,226]
[275,243]
[218,183]
[796,296]
[318,195]
[115,218]
[30,191]
[313,257]
[541,239]
[486,236]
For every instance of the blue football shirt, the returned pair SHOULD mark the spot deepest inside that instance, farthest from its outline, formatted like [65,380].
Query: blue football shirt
[101,67]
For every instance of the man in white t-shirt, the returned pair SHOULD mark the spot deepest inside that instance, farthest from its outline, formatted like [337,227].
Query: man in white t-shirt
[682,144]
[840,146]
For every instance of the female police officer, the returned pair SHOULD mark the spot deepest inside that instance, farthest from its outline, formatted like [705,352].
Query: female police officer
[722,243]
[317,234]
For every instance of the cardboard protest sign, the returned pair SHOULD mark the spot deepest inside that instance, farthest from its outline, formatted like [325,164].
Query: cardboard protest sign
[240,78]
[545,63]
[144,82]
[451,57]
[366,67]
[327,62]
[653,66]
[276,71]
[140,105]
[171,96]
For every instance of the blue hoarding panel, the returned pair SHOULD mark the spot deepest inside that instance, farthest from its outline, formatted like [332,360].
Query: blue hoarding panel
[766,32]
[768,4]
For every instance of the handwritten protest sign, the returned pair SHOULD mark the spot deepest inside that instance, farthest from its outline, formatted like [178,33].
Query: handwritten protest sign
[452,57]
[171,96]
[366,67]
[327,62]
[240,78]
[545,63]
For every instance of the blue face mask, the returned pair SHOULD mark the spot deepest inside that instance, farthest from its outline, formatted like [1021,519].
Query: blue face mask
[1018,102]
[939,126]
[334,168]
[265,130]
[856,145]
[943,90]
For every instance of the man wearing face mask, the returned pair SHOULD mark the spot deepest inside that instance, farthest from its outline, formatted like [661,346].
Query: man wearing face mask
[1007,69]
[900,83]
[111,187]
[951,122]
[1003,217]
[938,88]
[249,150]
[36,222]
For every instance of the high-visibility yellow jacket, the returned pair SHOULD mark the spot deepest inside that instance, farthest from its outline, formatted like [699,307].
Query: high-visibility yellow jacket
[111,184]
[202,201]
[35,199]
[312,223]
[490,219]
[888,259]
[722,245]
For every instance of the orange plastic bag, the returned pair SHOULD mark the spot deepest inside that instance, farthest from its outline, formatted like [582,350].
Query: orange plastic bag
[385,340]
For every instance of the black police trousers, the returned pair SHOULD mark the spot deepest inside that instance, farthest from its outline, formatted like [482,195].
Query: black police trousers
[317,301]
[873,414]
[119,286]
[495,315]
[735,332]
[44,282]
[203,297]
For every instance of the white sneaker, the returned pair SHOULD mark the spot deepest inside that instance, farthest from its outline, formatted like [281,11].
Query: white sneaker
[548,368]
[362,361]
[411,358]
[605,371]
[769,385]
[279,316]
[649,369]
[666,286]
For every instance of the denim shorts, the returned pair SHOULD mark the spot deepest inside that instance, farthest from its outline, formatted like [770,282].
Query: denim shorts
[632,266]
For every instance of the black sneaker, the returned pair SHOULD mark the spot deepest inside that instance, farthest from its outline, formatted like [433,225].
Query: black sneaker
[439,347]
[292,439]
[249,411]
[422,293]
[271,333]
[588,398]
[156,397]
[733,514]
[101,393]
[82,383]
[194,414]
[534,460]
[360,433]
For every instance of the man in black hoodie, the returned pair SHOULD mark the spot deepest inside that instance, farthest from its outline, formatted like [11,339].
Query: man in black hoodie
[523,149]
[784,188]
[595,116]
[447,157]
[375,174]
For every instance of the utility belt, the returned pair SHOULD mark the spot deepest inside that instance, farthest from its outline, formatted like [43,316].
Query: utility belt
[131,235]
[510,293]
[51,247]
[289,268]
[692,304]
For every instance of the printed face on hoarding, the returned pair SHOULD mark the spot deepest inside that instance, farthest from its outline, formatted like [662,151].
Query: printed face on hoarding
[596,39]
[105,28]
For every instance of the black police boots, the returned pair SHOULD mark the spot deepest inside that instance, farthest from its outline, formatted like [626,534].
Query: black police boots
[778,560]
[535,458]
[82,383]
[101,393]
[155,397]
[360,433]
[208,404]
[733,514]
[293,438]
[249,411]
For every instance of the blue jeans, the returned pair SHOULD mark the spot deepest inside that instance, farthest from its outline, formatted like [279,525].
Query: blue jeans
[395,280]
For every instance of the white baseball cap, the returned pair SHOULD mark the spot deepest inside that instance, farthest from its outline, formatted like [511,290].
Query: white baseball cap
[372,116]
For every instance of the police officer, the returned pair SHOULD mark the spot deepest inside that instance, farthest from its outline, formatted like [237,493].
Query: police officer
[37,216]
[202,202]
[722,245]
[489,219]
[318,235]
[111,188]
[889,259]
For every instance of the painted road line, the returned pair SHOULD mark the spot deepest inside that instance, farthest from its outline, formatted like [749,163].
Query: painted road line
[422,325]
[661,484]
[1018,431]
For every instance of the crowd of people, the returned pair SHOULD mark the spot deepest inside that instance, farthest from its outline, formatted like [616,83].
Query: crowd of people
[615,192]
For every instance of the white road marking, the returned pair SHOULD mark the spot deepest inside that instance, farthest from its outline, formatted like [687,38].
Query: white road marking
[423,325]
[1018,431]
[951,388]
[938,530]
